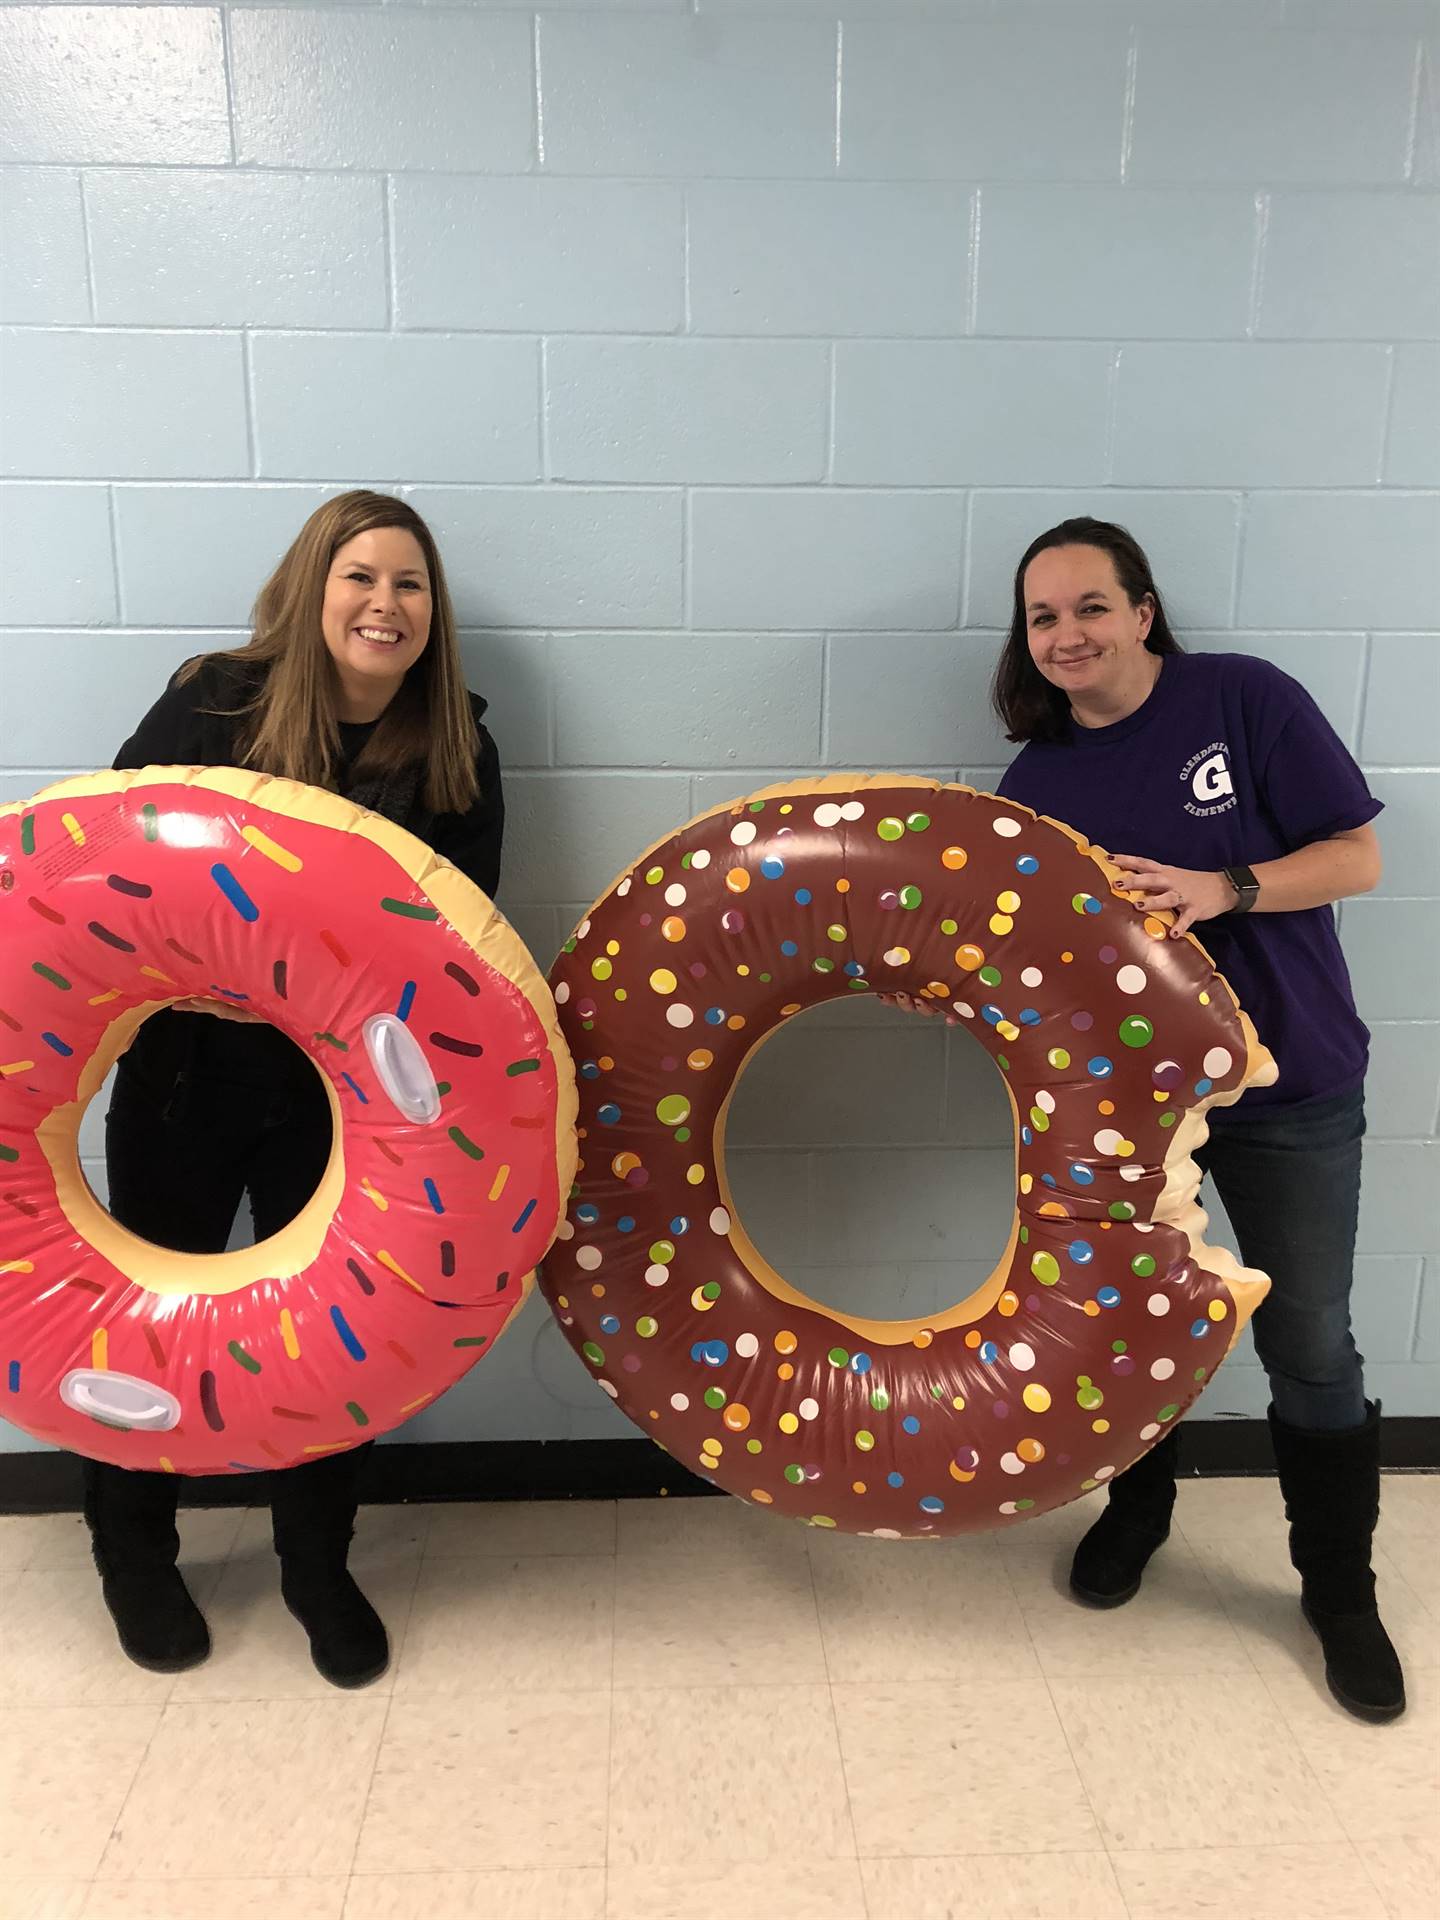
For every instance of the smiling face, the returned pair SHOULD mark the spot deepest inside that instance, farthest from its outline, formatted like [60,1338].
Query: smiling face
[1084,635]
[375,617]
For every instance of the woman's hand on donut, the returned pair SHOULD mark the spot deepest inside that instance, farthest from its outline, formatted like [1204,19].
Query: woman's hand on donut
[912,1003]
[1191,896]
[220,1009]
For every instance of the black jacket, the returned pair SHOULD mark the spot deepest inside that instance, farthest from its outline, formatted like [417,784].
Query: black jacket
[178,731]
[173,1050]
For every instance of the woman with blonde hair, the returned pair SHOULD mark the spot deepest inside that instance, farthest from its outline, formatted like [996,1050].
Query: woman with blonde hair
[351,680]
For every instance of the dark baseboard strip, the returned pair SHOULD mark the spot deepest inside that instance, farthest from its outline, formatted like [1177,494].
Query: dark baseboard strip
[612,1469]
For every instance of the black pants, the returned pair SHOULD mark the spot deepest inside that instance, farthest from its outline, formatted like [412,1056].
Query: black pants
[183,1147]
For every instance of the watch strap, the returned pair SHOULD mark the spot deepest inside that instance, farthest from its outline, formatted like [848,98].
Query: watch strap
[1247,888]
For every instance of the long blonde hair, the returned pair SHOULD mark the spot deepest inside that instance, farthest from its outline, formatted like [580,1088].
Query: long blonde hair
[291,726]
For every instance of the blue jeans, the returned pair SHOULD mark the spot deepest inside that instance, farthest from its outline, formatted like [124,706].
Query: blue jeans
[1290,1182]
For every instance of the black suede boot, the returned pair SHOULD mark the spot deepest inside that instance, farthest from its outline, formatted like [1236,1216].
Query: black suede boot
[1111,1559]
[131,1517]
[1331,1484]
[313,1518]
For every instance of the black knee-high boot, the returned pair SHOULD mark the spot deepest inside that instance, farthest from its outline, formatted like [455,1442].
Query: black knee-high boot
[312,1511]
[1331,1484]
[133,1537]
[1111,1559]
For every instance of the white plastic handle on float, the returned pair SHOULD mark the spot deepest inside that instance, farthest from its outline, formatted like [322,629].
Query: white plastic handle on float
[401,1068]
[121,1399]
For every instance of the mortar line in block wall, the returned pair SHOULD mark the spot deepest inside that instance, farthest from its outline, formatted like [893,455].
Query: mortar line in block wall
[272,483]
[1377,189]
[957,490]
[252,424]
[962,583]
[727,336]
[53,771]
[1412,137]
[687,561]
[126,629]
[85,243]
[1416,1312]
[947,1051]
[1257,264]
[537,630]
[825,699]
[855,489]
[808,1164]
[122,629]
[766,776]
[114,519]
[831,402]
[1238,568]
[967,570]
[687,321]
[1387,411]
[1418,1021]
[387,249]
[227,66]
[1127,119]
[972,265]
[745,778]
[539,94]
[542,405]
[1362,700]
[1112,414]
[839,88]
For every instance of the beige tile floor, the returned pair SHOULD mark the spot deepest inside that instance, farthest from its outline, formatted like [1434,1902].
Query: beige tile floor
[685,1710]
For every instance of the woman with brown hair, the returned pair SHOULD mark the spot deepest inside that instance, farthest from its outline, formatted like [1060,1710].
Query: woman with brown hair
[352,680]
[1228,800]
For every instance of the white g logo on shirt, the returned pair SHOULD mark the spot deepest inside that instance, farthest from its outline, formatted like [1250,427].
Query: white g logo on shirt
[1212,779]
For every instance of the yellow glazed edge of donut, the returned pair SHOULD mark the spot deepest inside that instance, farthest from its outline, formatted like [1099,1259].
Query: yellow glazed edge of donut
[1177,1205]
[884,1333]
[475,919]
[161,1270]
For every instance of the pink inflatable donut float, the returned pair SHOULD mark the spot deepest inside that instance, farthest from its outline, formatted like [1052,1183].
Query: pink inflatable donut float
[451,1090]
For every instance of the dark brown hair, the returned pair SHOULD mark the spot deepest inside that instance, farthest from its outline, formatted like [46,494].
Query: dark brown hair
[291,725]
[1025,703]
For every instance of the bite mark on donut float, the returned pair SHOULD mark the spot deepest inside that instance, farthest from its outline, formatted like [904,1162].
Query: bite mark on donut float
[1107,1312]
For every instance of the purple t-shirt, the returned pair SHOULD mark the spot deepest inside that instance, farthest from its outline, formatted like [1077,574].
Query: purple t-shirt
[1228,763]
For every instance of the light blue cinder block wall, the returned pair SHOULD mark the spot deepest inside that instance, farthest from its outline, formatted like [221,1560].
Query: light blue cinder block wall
[735,350]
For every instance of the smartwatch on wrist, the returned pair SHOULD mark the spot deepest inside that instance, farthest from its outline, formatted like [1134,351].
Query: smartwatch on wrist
[1247,888]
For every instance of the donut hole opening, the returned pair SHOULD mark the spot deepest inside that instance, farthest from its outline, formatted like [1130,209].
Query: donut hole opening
[870,1155]
[166,1145]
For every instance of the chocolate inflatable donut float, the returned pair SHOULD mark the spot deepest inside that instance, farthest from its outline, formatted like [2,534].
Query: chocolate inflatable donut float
[1106,1314]
[450,1087]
